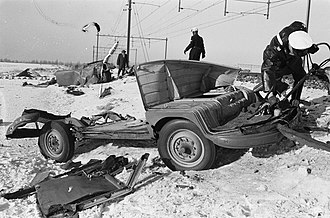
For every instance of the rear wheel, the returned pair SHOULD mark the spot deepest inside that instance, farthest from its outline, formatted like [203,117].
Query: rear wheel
[56,141]
[182,146]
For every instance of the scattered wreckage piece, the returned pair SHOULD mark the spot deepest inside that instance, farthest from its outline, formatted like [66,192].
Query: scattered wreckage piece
[52,81]
[28,74]
[302,138]
[73,90]
[105,92]
[84,187]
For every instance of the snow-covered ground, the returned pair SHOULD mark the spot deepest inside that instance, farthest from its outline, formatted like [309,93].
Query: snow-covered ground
[283,181]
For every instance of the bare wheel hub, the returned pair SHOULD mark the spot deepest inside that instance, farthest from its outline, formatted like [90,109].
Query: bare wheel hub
[53,143]
[185,148]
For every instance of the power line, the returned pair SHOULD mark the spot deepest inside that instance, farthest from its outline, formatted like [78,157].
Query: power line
[161,18]
[50,19]
[249,1]
[206,25]
[171,25]
[114,30]
[241,15]
[151,13]
[144,49]
[168,17]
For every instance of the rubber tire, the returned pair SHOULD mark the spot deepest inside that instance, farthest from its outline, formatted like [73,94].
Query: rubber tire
[171,156]
[60,132]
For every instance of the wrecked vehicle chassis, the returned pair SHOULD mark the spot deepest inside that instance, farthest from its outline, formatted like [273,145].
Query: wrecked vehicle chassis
[191,109]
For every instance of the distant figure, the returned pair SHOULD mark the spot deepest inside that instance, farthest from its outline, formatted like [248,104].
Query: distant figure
[283,56]
[122,62]
[196,46]
[105,71]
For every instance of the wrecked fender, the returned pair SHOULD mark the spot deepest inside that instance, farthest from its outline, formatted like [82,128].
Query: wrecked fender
[31,116]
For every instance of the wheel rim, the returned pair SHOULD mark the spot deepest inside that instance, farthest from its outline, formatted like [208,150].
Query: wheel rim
[54,143]
[185,148]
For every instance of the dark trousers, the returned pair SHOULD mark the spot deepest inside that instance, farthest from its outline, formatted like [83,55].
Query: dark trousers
[272,79]
[122,71]
[195,54]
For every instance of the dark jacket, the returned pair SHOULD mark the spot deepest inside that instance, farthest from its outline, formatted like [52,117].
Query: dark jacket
[197,47]
[122,61]
[276,55]
[277,62]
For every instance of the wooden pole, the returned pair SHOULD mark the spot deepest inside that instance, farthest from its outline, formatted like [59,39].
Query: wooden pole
[129,29]
[308,13]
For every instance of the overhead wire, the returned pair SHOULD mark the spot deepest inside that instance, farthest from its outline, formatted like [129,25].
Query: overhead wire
[114,29]
[256,10]
[171,25]
[49,19]
[264,2]
[144,18]
[166,14]
[196,3]
[250,1]
[206,25]
[142,40]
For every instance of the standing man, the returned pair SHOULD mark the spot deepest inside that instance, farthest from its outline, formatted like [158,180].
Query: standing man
[122,62]
[283,56]
[196,46]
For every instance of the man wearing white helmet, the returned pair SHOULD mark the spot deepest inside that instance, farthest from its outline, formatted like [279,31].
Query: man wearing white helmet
[196,46]
[283,56]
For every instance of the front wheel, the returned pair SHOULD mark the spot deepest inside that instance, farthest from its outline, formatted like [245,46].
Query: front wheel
[182,146]
[56,141]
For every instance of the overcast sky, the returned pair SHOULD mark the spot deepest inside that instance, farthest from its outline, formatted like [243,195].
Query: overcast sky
[51,29]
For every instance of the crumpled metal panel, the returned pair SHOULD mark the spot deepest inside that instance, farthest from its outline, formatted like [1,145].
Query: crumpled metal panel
[164,81]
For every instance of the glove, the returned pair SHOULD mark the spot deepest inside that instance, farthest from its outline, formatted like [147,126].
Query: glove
[184,52]
[322,75]
[295,103]
[313,49]
[268,106]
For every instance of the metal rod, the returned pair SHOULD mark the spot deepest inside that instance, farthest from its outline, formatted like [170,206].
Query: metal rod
[166,49]
[225,11]
[268,5]
[129,28]
[134,37]
[97,45]
[308,14]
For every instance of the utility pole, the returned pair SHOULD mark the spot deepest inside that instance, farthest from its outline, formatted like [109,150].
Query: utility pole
[129,28]
[307,25]
[308,13]
[97,45]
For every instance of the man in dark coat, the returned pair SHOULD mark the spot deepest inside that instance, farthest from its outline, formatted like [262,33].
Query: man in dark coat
[283,56]
[122,62]
[196,46]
